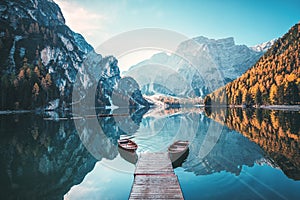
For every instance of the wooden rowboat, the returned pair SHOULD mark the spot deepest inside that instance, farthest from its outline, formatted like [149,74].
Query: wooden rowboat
[178,152]
[127,144]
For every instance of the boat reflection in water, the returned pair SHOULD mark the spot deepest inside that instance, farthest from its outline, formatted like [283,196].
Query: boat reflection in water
[129,156]
[178,152]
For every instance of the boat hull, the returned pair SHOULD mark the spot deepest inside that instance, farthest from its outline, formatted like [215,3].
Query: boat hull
[127,145]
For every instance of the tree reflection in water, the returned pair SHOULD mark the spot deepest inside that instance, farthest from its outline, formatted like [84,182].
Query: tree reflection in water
[276,132]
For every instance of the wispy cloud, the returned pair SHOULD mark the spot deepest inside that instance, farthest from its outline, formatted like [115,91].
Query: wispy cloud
[97,20]
[87,22]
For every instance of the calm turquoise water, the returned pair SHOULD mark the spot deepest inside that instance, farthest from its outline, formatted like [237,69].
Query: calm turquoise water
[45,157]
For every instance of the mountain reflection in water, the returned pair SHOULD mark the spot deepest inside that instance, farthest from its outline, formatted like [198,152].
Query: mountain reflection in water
[44,158]
[40,159]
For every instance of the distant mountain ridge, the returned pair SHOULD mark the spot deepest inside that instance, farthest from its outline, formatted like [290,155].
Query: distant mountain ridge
[229,59]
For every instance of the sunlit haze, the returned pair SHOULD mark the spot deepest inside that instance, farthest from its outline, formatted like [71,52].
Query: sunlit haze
[250,22]
[132,58]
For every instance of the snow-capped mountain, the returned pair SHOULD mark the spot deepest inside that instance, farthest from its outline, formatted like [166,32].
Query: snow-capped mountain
[199,64]
[231,59]
[263,47]
[41,58]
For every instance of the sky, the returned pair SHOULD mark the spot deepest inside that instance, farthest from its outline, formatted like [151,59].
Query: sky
[250,22]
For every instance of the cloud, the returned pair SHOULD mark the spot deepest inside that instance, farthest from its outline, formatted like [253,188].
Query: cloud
[85,21]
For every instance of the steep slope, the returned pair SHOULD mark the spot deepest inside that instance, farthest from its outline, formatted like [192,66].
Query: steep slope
[112,90]
[191,65]
[40,57]
[35,43]
[274,79]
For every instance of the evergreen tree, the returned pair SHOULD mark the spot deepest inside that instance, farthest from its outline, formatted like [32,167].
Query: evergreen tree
[280,94]
[247,99]
[207,101]
[274,94]
[291,93]
[35,94]
[258,97]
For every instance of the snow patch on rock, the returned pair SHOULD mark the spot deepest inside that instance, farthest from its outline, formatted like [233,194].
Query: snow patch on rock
[47,54]
[31,13]
[12,52]
[22,52]
[66,42]
[263,47]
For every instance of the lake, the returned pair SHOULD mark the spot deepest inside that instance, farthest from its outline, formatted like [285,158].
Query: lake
[234,153]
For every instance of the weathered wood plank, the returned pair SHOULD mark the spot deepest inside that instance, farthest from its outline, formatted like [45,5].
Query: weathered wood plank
[154,178]
[154,163]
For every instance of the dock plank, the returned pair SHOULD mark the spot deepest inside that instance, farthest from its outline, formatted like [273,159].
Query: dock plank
[154,178]
[154,163]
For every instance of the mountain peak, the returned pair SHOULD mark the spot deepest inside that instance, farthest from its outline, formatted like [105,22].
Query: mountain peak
[45,12]
[263,47]
[204,40]
[232,60]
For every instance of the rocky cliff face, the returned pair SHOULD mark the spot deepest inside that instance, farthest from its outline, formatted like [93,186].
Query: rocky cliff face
[36,40]
[41,57]
[112,90]
[191,65]
[231,59]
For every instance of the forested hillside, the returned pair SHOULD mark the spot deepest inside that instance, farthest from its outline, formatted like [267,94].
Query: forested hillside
[25,82]
[274,79]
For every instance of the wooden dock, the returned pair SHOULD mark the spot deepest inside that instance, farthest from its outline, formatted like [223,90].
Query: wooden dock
[154,178]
